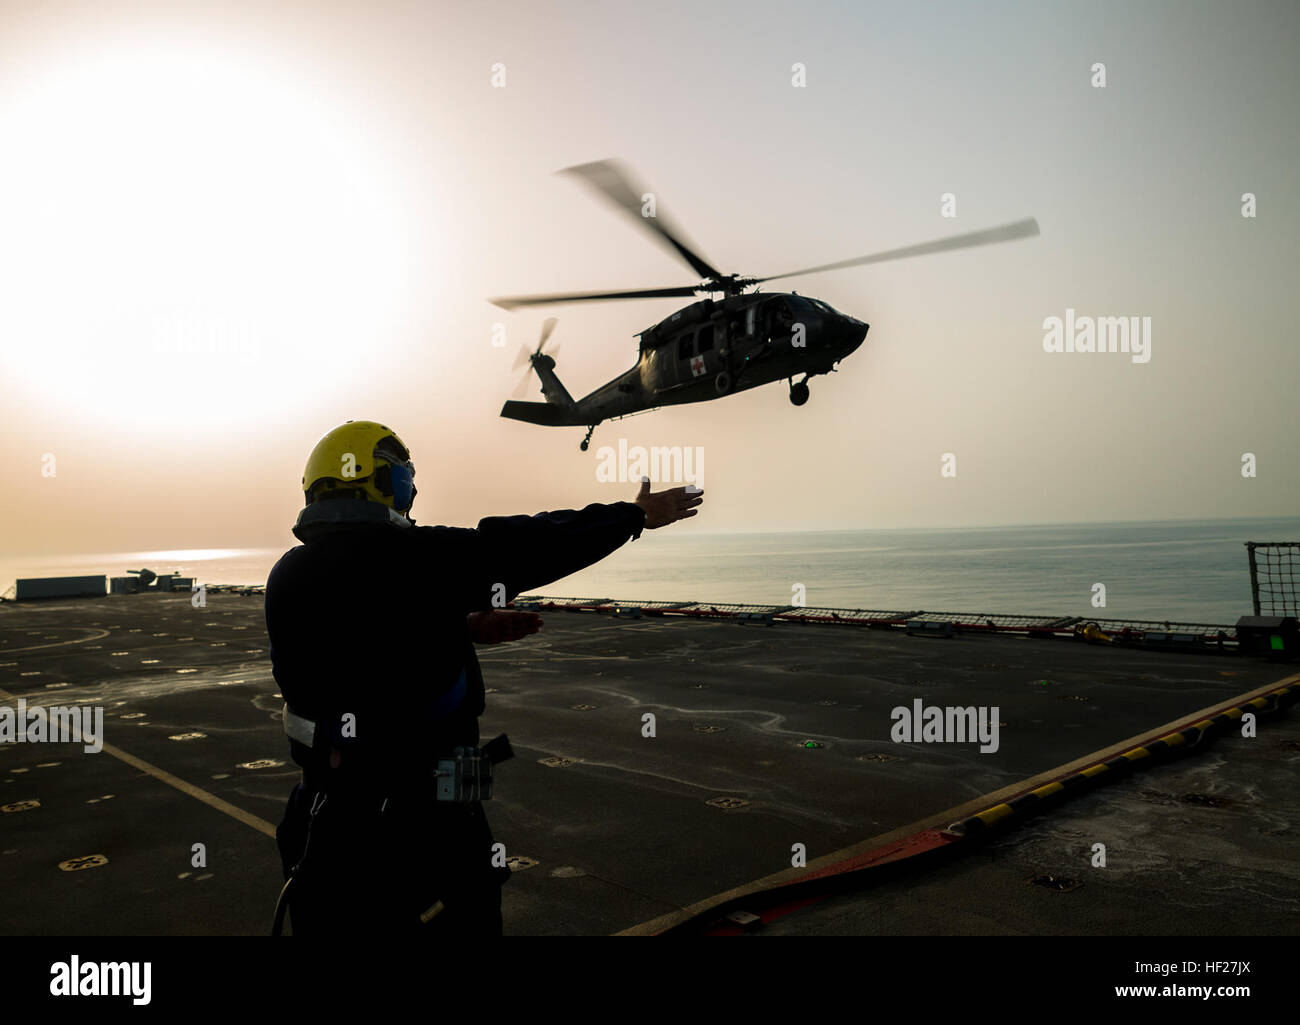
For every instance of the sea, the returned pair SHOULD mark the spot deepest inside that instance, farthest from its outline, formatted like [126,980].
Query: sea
[1191,571]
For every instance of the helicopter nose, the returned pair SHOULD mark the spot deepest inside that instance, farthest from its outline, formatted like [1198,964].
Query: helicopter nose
[852,332]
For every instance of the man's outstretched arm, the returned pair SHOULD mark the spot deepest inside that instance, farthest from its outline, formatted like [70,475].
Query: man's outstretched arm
[514,554]
[498,626]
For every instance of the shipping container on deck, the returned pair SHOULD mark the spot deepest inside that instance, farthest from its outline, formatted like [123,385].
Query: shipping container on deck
[60,587]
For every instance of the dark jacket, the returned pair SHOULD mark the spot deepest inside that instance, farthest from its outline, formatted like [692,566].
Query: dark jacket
[370,621]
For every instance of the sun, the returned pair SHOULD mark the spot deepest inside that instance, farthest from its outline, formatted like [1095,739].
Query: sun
[184,230]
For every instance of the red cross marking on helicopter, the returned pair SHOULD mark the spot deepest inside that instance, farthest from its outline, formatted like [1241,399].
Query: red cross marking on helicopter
[697,366]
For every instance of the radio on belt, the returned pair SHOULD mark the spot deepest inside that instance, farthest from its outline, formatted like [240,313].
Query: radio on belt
[467,775]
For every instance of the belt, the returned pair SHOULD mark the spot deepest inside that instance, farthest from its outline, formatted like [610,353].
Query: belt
[303,730]
[464,777]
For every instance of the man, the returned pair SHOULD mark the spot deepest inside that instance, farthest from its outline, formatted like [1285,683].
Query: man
[372,622]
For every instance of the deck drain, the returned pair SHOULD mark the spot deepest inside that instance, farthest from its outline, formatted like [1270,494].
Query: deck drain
[1205,800]
[708,727]
[20,806]
[1058,883]
[517,863]
[260,763]
[556,762]
[187,736]
[727,802]
[583,708]
[85,861]
[878,758]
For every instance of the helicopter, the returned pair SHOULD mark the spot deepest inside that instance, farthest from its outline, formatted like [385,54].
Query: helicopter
[716,346]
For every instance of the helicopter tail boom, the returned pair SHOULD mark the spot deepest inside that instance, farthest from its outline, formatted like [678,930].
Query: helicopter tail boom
[546,414]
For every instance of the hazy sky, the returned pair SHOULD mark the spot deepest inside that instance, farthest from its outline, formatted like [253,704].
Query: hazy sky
[226,228]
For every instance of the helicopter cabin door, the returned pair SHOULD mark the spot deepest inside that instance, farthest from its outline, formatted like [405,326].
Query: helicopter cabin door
[697,358]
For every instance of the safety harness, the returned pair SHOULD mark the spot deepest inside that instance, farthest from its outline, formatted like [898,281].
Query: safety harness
[463,778]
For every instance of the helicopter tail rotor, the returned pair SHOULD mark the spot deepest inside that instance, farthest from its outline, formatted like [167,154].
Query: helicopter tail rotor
[538,359]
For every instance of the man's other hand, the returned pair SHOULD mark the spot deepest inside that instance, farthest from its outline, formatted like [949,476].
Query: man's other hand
[665,507]
[496,626]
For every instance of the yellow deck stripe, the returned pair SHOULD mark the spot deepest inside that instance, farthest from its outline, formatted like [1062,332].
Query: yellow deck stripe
[198,793]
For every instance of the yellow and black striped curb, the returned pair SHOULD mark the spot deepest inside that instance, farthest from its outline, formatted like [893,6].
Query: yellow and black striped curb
[1129,761]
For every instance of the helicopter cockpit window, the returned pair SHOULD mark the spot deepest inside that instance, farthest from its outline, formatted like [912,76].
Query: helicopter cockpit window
[706,338]
[777,316]
[684,345]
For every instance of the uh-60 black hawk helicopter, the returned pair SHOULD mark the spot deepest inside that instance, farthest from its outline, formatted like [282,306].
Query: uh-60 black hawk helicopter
[714,347]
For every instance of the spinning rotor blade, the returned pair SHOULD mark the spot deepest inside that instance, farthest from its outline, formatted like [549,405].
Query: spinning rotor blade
[524,356]
[609,179]
[512,302]
[548,325]
[521,387]
[1002,233]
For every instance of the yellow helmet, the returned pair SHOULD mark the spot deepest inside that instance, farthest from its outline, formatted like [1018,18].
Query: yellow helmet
[361,460]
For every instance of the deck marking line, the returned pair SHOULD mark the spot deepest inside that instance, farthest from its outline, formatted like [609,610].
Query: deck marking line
[198,793]
[58,644]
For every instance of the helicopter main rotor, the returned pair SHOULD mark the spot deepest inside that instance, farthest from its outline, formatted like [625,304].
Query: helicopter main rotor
[609,180]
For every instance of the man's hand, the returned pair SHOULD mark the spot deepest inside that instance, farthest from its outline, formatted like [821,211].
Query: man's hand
[496,626]
[665,507]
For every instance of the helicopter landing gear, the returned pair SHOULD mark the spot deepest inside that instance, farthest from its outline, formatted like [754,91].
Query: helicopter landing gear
[587,440]
[799,392]
[724,383]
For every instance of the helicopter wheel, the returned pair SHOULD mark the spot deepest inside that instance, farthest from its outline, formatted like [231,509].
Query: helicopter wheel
[723,383]
[584,444]
[799,393]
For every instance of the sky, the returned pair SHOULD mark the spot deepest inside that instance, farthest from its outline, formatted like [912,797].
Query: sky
[227,228]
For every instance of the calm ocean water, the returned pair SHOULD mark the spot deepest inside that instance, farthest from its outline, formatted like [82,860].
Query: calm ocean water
[1192,571]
